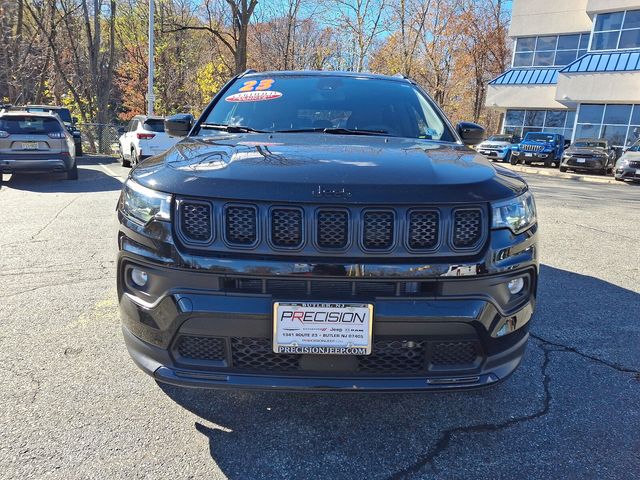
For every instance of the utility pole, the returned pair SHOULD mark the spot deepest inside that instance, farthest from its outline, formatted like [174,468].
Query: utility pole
[150,96]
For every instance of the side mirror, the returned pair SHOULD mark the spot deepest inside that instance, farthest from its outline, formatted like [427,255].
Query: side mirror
[74,120]
[178,125]
[470,133]
[121,130]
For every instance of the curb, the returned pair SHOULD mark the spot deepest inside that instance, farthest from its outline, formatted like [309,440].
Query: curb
[554,172]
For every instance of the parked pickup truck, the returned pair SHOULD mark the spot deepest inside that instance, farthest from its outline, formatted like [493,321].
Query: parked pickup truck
[539,147]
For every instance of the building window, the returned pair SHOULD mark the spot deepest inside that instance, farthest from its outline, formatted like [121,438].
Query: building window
[616,30]
[521,122]
[620,124]
[550,50]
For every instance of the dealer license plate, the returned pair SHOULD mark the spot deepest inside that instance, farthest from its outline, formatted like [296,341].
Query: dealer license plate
[580,160]
[528,154]
[322,328]
[29,145]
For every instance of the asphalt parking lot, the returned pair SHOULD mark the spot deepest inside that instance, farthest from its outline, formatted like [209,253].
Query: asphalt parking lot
[75,406]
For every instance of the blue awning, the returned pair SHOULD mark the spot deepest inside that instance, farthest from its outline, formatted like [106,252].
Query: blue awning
[605,62]
[527,76]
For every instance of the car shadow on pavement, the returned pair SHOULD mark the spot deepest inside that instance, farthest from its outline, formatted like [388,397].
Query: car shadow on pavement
[89,180]
[324,435]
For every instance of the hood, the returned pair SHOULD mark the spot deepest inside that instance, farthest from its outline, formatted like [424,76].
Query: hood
[488,143]
[323,168]
[586,151]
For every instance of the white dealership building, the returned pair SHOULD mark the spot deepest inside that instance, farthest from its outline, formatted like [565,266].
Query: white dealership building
[575,70]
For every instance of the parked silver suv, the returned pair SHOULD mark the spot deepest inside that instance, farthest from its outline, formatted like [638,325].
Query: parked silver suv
[36,142]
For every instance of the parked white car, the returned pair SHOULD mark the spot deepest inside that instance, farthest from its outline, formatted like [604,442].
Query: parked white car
[498,147]
[144,137]
[628,165]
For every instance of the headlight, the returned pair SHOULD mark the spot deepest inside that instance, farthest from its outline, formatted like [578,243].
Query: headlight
[622,163]
[517,214]
[144,204]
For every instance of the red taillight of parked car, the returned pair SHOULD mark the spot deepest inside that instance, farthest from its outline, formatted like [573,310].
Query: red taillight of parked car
[4,134]
[56,135]
[145,136]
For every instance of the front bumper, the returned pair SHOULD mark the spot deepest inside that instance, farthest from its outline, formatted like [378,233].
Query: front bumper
[627,173]
[35,162]
[589,164]
[494,153]
[464,315]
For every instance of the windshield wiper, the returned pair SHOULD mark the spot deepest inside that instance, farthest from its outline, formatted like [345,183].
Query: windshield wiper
[335,131]
[231,128]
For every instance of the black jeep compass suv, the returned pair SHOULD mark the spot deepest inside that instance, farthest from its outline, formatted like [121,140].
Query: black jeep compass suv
[325,231]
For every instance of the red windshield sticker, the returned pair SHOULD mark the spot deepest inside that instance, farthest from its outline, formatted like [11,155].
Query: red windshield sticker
[254,96]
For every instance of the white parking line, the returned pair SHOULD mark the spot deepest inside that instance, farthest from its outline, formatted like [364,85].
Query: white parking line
[111,172]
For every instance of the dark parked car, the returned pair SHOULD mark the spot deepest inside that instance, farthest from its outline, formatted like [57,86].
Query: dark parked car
[35,142]
[590,155]
[64,114]
[325,231]
[539,147]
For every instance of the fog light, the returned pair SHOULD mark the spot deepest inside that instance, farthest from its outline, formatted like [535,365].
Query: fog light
[139,277]
[516,285]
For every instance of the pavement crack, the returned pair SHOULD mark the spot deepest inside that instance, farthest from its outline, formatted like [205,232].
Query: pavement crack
[448,435]
[33,237]
[615,366]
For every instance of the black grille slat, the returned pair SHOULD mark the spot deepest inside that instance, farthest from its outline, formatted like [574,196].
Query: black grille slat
[241,225]
[467,228]
[286,227]
[395,356]
[424,229]
[453,353]
[202,348]
[378,230]
[332,229]
[195,221]
[375,289]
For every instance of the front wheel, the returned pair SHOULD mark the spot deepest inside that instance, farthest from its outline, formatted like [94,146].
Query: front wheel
[123,161]
[514,160]
[79,150]
[134,158]
[563,169]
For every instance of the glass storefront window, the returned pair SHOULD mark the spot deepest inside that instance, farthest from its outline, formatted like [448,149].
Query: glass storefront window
[549,50]
[521,122]
[620,124]
[616,30]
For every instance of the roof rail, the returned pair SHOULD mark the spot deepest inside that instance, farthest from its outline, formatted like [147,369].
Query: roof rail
[247,72]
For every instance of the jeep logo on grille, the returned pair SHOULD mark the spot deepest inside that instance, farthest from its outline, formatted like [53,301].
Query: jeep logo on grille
[331,192]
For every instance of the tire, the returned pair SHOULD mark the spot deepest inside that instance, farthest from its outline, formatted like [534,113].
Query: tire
[123,161]
[548,163]
[514,160]
[134,158]
[73,173]
[79,150]
[563,169]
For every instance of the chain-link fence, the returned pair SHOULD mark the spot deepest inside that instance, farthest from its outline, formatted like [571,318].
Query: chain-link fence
[99,138]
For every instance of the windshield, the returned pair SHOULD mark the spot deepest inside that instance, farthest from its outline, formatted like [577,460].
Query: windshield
[315,103]
[540,137]
[154,125]
[63,113]
[16,125]
[500,138]
[588,144]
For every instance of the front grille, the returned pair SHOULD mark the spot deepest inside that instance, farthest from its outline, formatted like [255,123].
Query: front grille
[531,148]
[424,228]
[390,355]
[634,164]
[201,348]
[467,228]
[453,353]
[316,231]
[333,229]
[256,354]
[240,225]
[195,221]
[286,227]
[378,230]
